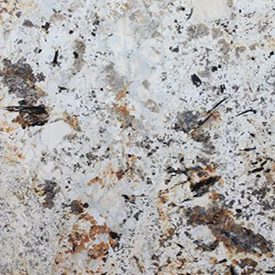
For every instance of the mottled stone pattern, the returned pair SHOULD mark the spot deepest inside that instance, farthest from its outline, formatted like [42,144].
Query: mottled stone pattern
[137,137]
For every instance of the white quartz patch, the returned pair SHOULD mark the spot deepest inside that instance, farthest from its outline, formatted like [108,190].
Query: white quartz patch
[53,134]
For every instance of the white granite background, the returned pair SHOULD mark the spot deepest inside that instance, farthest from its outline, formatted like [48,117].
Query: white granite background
[137,137]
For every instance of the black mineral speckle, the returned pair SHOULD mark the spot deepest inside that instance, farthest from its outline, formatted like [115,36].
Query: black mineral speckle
[114,235]
[175,49]
[46,27]
[196,80]
[55,59]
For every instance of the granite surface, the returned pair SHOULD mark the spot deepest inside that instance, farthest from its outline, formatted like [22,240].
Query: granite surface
[137,137]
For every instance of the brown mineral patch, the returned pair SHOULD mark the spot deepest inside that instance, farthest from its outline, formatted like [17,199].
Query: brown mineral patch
[201,178]
[211,118]
[72,121]
[96,180]
[108,176]
[247,262]
[77,207]
[78,240]
[15,8]
[131,161]
[270,174]
[4,127]
[162,199]
[59,258]
[139,264]
[92,272]
[162,215]
[168,230]
[123,110]
[120,174]
[210,168]
[13,156]
[3,10]
[8,7]
[85,244]
[215,117]
[207,246]
[163,196]
[121,94]
[110,173]
[199,135]
[87,217]
[30,116]
[98,251]
[173,267]
[234,262]
[123,115]
[235,237]
[248,266]
[214,196]
[167,235]
[97,230]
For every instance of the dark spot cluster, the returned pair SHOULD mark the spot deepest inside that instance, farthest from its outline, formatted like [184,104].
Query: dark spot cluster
[224,228]
[30,116]
[96,23]
[50,189]
[77,207]
[20,79]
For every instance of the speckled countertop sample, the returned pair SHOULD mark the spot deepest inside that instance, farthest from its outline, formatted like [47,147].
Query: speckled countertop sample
[137,137]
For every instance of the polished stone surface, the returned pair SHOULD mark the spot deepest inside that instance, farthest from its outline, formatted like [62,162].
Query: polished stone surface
[137,137]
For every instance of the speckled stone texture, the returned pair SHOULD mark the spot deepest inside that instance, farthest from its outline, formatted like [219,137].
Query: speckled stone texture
[137,137]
